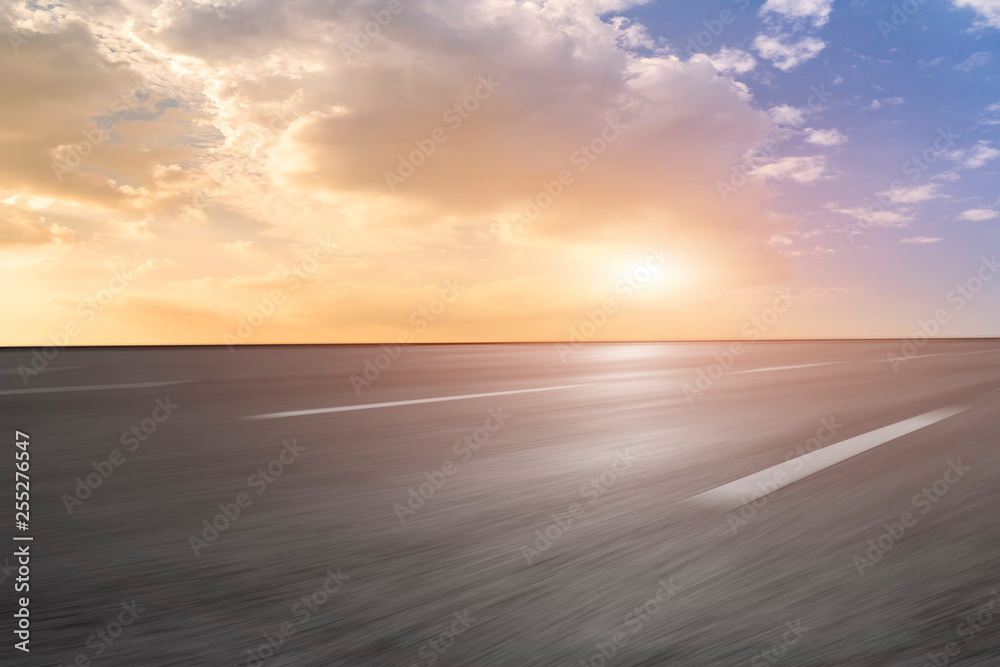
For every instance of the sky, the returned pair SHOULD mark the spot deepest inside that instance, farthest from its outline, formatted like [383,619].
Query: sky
[300,171]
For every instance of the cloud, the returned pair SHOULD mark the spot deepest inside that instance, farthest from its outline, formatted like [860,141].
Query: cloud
[994,119]
[831,137]
[54,85]
[975,60]
[922,239]
[978,215]
[875,217]
[892,101]
[914,194]
[259,136]
[19,227]
[786,54]
[987,10]
[787,115]
[797,169]
[975,157]
[243,250]
[927,64]
[816,10]
[980,154]
[733,60]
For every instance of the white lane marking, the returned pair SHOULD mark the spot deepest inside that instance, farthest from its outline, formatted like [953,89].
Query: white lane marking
[90,387]
[964,354]
[370,406]
[768,481]
[916,356]
[939,354]
[14,371]
[781,368]
[874,361]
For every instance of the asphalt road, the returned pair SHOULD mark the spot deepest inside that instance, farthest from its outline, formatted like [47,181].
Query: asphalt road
[544,505]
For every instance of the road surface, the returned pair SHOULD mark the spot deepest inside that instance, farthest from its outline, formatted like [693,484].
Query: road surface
[790,503]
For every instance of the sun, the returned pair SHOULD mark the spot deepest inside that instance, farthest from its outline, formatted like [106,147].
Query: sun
[654,270]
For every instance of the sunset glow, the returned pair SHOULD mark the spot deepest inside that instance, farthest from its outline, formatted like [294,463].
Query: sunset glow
[332,167]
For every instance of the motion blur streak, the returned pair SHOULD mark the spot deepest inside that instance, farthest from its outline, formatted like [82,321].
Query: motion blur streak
[733,594]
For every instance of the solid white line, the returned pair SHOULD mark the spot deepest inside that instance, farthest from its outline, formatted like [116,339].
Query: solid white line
[768,481]
[370,406]
[964,354]
[91,387]
[939,354]
[781,368]
[916,356]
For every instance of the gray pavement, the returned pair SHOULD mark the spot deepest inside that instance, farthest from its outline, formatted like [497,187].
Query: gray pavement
[538,511]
